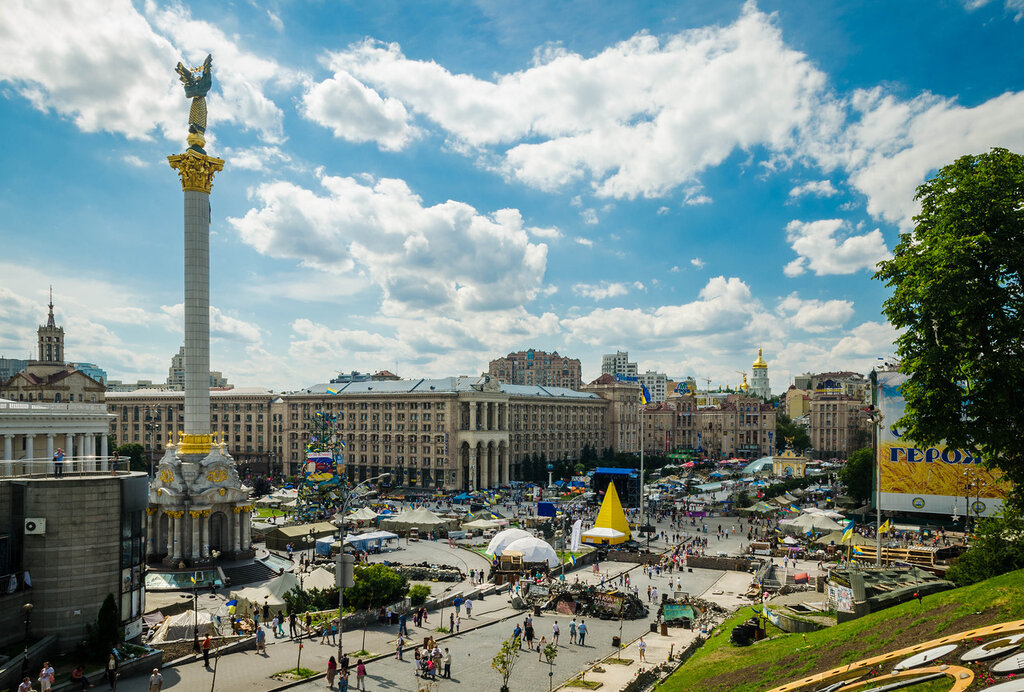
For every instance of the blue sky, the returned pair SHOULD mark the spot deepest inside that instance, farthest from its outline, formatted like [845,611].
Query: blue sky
[425,186]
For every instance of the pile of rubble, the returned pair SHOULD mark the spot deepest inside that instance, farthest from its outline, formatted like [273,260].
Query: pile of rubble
[689,612]
[426,572]
[581,599]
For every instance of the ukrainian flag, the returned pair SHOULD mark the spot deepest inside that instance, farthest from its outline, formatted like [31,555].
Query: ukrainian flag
[572,559]
[645,396]
[885,527]
[848,532]
[332,391]
[858,552]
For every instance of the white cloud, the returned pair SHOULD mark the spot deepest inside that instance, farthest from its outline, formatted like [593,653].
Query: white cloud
[675,269]
[817,188]
[585,242]
[662,211]
[1014,7]
[694,197]
[275,21]
[258,158]
[815,316]
[441,257]
[828,251]
[135,161]
[604,290]
[639,118]
[222,325]
[71,57]
[551,233]
[795,267]
[697,262]
[866,341]
[357,113]
[589,216]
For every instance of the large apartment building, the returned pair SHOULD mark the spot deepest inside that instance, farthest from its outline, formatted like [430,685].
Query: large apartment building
[539,368]
[617,364]
[741,426]
[837,425]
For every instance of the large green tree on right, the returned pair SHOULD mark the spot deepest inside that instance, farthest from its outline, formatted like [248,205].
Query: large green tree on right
[957,294]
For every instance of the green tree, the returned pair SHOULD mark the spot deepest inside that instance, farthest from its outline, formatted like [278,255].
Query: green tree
[858,474]
[418,594]
[505,660]
[136,454]
[785,428]
[376,585]
[998,548]
[106,633]
[957,296]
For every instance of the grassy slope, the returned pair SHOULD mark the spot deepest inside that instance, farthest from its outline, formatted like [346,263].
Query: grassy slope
[786,657]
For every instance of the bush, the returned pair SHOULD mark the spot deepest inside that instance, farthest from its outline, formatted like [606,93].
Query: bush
[418,594]
[998,548]
[106,633]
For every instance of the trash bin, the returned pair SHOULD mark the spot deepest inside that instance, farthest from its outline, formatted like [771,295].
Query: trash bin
[536,610]
[654,627]
[664,629]
[616,642]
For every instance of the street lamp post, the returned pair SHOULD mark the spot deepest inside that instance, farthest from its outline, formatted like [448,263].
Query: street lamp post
[195,613]
[27,611]
[341,555]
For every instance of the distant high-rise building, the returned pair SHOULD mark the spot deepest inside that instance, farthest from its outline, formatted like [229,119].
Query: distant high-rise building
[176,373]
[759,385]
[354,376]
[656,383]
[9,367]
[92,370]
[537,368]
[617,365]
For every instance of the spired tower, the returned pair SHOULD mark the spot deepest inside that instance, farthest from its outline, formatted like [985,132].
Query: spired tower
[51,339]
[759,379]
[198,509]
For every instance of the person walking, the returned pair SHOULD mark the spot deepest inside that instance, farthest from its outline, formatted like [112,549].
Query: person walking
[332,671]
[458,623]
[261,640]
[343,679]
[447,663]
[541,646]
[360,675]
[469,607]
[292,624]
[275,625]
[46,677]
[517,635]
[156,681]
[280,622]
[398,648]
[451,622]
[642,647]
[402,627]
[206,651]
[112,671]
[582,629]
[572,631]
[266,612]
[554,633]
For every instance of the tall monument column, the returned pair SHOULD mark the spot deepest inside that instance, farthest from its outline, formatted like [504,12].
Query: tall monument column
[197,170]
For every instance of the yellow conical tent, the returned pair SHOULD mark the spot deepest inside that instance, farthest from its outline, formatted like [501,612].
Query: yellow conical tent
[611,526]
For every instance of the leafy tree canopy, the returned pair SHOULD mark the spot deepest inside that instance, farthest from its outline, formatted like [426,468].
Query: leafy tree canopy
[375,586]
[136,454]
[957,296]
[858,473]
[785,429]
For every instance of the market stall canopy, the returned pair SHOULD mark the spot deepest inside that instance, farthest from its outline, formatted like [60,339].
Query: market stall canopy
[809,522]
[319,578]
[180,626]
[373,539]
[533,550]
[414,518]
[837,538]
[481,524]
[760,508]
[503,538]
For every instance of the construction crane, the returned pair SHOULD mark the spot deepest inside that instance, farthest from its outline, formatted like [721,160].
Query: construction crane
[708,381]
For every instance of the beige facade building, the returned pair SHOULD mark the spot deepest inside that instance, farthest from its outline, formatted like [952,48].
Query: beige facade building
[670,426]
[837,425]
[742,426]
[797,402]
[538,368]
[240,417]
[176,373]
[623,418]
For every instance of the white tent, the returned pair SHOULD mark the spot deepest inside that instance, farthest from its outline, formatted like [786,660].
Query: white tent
[809,522]
[272,592]
[533,550]
[481,524]
[320,578]
[598,533]
[373,539]
[180,626]
[503,538]
[415,518]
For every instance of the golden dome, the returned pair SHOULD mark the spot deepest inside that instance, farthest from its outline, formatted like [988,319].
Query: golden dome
[744,386]
[760,363]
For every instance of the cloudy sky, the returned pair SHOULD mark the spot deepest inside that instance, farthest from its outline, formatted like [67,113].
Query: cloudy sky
[423,186]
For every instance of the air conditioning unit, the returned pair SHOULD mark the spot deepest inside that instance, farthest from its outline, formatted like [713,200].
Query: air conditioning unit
[35,527]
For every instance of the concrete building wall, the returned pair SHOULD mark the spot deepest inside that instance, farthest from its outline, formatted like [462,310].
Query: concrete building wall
[834,420]
[532,367]
[79,558]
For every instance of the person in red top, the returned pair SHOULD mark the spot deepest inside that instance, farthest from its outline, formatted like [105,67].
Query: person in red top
[206,651]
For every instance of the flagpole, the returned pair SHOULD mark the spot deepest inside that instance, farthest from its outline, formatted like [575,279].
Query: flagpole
[875,420]
[643,509]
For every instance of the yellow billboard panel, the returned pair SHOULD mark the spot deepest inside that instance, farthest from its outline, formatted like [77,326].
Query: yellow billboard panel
[935,479]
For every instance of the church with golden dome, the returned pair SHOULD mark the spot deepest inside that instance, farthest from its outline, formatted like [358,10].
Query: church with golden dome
[759,385]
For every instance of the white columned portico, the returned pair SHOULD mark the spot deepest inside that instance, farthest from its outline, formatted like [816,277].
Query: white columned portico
[69,446]
[170,534]
[30,446]
[196,517]
[49,452]
[104,451]
[8,447]
[204,530]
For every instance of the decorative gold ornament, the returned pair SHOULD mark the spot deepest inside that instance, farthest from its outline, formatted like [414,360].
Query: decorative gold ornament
[152,510]
[223,492]
[217,475]
[196,171]
[194,444]
[176,514]
[195,513]
[167,476]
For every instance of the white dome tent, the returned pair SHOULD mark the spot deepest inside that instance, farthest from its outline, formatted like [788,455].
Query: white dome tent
[533,550]
[503,538]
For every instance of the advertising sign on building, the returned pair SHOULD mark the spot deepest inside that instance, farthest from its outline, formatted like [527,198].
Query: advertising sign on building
[935,479]
[838,596]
